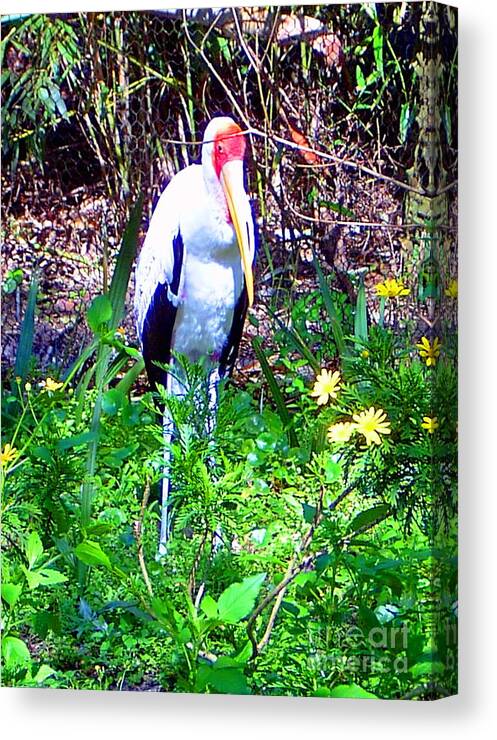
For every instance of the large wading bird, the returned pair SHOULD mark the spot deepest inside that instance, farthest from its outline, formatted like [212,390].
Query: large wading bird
[194,279]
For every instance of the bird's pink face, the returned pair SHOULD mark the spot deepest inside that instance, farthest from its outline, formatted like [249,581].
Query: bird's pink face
[227,156]
[229,146]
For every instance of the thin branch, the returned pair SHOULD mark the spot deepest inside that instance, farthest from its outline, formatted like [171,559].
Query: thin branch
[196,563]
[214,73]
[361,168]
[292,572]
[138,525]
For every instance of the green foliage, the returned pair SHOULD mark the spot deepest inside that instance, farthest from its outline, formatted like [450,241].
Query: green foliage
[35,89]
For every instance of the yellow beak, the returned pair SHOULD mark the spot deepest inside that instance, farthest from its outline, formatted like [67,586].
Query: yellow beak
[232,181]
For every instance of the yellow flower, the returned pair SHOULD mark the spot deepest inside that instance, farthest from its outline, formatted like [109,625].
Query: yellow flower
[429,352]
[326,386]
[121,331]
[391,288]
[430,423]
[371,424]
[8,454]
[28,387]
[52,385]
[365,354]
[452,289]
[341,431]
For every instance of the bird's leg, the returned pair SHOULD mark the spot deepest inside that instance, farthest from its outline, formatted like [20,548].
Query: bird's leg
[176,388]
[167,436]
[213,382]
[214,378]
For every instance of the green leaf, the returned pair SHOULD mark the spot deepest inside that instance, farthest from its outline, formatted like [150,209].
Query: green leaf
[15,652]
[209,607]
[127,382]
[309,512]
[351,691]
[332,471]
[359,77]
[224,680]
[99,313]
[33,578]
[33,548]
[112,401]
[275,391]
[361,315]
[404,123]
[378,48]
[25,345]
[43,672]
[337,208]
[50,576]
[427,668]
[91,553]
[237,601]
[370,515]
[11,592]
[124,264]
[336,326]
[41,453]
[76,441]
[296,341]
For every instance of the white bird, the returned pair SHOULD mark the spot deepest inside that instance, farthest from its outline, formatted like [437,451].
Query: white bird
[194,279]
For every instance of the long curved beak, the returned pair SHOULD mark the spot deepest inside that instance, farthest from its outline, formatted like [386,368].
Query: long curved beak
[231,177]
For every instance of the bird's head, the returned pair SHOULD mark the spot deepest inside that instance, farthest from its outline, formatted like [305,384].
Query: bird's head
[223,150]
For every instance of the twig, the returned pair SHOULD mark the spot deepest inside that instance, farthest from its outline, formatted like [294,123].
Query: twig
[196,562]
[214,72]
[138,535]
[291,573]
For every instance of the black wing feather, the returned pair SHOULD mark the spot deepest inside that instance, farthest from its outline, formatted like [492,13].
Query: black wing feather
[159,321]
[230,350]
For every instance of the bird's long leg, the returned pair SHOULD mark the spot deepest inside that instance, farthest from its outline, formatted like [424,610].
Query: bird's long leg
[212,390]
[214,378]
[167,436]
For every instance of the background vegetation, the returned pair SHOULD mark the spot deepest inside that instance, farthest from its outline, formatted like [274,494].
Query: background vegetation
[335,492]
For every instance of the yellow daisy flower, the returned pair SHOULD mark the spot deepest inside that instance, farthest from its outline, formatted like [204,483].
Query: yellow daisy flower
[365,354]
[326,386]
[428,351]
[391,288]
[452,289]
[341,431]
[52,385]
[430,423]
[7,455]
[371,424]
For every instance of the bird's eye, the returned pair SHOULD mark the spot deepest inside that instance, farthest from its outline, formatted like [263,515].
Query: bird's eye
[220,148]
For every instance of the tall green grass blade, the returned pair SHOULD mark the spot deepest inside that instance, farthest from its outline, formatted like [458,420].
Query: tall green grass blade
[81,360]
[275,392]
[296,341]
[361,314]
[117,295]
[124,264]
[25,346]
[127,382]
[336,326]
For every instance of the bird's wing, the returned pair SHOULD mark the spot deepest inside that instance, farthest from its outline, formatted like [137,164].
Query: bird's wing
[230,350]
[232,344]
[158,286]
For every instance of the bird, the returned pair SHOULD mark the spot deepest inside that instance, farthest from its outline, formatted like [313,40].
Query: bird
[194,277]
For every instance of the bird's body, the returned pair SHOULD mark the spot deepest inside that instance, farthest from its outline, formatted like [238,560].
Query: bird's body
[194,276]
